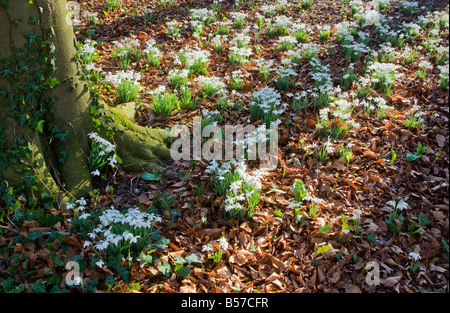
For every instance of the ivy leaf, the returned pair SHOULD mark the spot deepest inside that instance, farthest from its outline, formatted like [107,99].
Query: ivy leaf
[32,20]
[109,280]
[323,249]
[294,204]
[114,263]
[150,176]
[52,82]
[40,126]
[372,237]
[30,179]
[164,268]
[58,261]
[6,73]
[38,286]
[184,271]
[179,260]
[411,157]
[94,111]
[123,272]
[161,244]
[35,234]
[147,258]
[50,219]
[193,258]
[63,158]
[423,220]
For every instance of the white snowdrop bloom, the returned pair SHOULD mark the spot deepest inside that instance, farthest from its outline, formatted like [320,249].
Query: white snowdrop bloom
[415,256]
[286,40]
[88,46]
[409,4]
[392,203]
[268,9]
[387,71]
[69,206]
[357,214]
[212,81]
[242,53]
[152,49]
[282,21]
[192,54]
[346,231]
[401,205]
[202,14]
[81,202]
[100,263]
[101,245]
[223,244]
[238,15]
[207,248]
[84,216]
[96,172]
[323,114]
[112,160]
[92,67]
[317,200]
[86,244]
[425,65]
[444,71]
[121,76]
[329,147]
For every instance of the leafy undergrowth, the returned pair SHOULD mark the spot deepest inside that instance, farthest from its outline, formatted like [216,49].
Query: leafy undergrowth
[362,176]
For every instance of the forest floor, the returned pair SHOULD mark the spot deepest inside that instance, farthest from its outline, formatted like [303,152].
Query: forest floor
[286,246]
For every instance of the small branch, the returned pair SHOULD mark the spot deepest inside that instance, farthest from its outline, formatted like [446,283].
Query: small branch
[10,229]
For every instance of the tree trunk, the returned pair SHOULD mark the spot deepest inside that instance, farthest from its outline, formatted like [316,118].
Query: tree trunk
[139,147]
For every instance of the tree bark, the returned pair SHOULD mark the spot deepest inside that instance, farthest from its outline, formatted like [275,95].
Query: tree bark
[139,147]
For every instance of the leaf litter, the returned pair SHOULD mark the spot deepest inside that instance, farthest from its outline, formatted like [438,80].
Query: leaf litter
[290,252]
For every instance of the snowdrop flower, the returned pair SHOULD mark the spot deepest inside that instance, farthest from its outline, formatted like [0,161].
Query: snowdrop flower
[401,205]
[69,206]
[100,264]
[96,172]
[207,248]
[112,160]
[102,245]
[415,256]
[223,244]
[328,147]
[84,216]
[81,202]
[86,244]
[357,214]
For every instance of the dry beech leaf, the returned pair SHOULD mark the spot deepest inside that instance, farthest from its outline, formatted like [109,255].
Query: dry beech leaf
[440,140]
[352,289]
[390,281]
